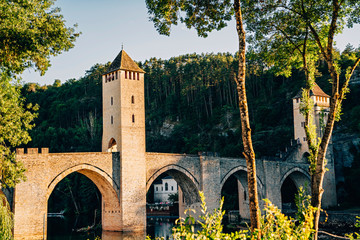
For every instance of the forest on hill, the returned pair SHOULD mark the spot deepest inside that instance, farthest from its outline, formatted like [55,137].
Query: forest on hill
[191,106]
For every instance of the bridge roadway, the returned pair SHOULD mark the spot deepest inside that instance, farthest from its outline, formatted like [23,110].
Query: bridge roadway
[193,173]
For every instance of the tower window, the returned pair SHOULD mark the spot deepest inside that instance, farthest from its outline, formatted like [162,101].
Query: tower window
[112,101]
[297,100]
[125,74]
[138,76]
[166,186]
[112,120]
[132,99]
[129,75]
[133,118]
[303,124]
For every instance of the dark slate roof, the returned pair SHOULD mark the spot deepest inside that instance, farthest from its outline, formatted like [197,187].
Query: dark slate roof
[124,62]
[316,91]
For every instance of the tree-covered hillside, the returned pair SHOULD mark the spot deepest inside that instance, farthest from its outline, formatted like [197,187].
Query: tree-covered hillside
[191,106]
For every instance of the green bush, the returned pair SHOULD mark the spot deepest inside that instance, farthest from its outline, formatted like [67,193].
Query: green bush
[274,224]
[6,219]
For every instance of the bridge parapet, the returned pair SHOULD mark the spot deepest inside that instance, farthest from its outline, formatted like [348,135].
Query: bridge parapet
[22,151]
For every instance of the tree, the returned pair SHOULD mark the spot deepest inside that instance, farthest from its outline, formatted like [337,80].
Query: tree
[31,32]
[206,16]
[302,32]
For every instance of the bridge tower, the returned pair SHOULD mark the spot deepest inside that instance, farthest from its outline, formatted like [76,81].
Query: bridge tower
[321,109]
[124,132]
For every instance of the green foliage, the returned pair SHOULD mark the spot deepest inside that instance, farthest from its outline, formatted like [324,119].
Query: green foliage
[6,219]
[196,95]
[31,32]
[70,114]
[275,225]
[15,120]
[355,235]
[190,104]
[204,16]
[210,225]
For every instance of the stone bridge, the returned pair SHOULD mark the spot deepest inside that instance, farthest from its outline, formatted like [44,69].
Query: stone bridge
[193,173]
[124,171]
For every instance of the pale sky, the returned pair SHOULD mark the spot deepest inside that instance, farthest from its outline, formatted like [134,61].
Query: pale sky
[107,24]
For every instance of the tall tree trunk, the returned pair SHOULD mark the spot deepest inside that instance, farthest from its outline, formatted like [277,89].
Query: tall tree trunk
[248,153]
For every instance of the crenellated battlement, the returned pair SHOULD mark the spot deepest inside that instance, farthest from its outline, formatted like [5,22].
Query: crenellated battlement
[22,151]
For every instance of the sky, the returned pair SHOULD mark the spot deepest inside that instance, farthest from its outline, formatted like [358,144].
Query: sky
[108,24]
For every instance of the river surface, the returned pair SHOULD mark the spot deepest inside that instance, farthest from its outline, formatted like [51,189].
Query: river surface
[66,229]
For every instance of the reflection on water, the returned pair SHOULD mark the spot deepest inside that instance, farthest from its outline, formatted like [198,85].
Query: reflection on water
[65,229]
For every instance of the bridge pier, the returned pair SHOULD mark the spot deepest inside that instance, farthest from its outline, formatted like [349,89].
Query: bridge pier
[210,181]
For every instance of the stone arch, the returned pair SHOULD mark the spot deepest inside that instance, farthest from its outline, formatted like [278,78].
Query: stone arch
[240,173]
[186,181]
[243,168]
[289,186]
[110,192]
[298,175]
[112,146]
[305,157]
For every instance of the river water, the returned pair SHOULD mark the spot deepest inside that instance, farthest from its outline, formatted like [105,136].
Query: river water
[66,229]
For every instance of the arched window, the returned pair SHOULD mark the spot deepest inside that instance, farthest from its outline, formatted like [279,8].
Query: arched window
[166,186]
[112,147]
[133,118]
[132,99]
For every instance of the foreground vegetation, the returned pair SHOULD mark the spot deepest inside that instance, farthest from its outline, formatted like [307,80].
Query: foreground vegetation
[273,224]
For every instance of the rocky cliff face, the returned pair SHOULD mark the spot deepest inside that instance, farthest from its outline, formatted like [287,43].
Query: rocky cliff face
[346,152]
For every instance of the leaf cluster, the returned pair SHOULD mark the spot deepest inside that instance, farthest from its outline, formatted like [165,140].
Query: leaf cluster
[31,32]
[6,219]
[203,15]
[15,121]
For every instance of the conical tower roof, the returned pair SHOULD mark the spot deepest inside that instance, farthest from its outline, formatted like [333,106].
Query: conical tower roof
[124,62]
[316,91]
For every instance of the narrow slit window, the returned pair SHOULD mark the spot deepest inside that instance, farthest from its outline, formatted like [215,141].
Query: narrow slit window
[138,76]
[133,118]
[112,120]
[113,77]
[129,75]
[125,74]
[134,75]
[112,101]
[116,75]
[132,99]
